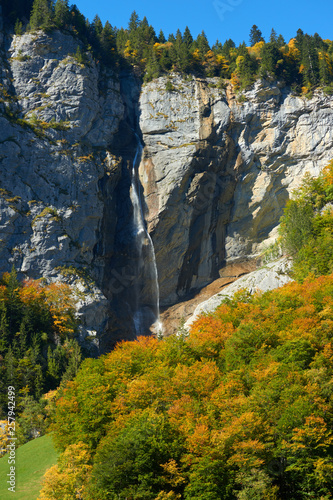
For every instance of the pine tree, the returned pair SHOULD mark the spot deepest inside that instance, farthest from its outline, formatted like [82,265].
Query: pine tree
[53,368]
[153,69]
[133,22]
[23,338]
[4,328]
[202,43]
[161,37]
[245,66]
[227,46]
[78,21]
[325,68]
[299,40]
[270,55]
[10,364]
[39,381]
[41,14]
[187,37]
[18,28]
[74,360]
[280,41]
[107,40]
[310,65]
[255,35]
[61,13]
[35,349]
[97,26]
[273,36]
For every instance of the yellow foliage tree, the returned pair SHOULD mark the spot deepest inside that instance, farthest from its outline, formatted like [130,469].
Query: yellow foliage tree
[67,480]
[4,437]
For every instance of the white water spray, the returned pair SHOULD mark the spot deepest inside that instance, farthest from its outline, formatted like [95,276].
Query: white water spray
[142,235]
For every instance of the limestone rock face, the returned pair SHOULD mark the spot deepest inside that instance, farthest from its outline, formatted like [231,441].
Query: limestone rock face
[213,178]
[217,173]
[189,175]
[56,126]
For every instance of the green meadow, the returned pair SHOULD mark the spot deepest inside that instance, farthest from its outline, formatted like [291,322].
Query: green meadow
[32,460]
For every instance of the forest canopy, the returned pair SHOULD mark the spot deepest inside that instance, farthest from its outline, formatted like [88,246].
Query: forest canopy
[240,409]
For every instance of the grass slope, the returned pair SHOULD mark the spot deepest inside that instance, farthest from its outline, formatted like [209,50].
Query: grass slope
[32,460]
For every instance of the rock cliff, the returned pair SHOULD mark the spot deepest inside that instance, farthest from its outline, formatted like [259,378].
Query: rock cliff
[214,176]
[217,173]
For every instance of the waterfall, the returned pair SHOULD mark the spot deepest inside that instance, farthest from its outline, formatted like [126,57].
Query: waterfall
[146,260]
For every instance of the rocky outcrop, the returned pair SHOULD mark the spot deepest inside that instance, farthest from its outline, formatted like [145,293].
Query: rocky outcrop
[213,179]
[268,277]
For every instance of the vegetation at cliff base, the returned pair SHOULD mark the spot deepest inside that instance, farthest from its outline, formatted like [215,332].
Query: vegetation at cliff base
[303,63]
[307,226]
[38,349]
[242,408]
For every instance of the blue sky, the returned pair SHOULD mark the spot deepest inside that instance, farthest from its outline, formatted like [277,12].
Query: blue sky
[220,19]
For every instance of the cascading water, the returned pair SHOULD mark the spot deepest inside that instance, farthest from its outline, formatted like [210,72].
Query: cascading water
[145,314]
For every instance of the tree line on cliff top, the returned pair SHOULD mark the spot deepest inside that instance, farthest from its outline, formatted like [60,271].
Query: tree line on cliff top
[303,63]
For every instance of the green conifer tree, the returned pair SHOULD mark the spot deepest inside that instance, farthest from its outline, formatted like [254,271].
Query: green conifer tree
[39,381]
[161,37]
[325,72]
[10,364]
[270,56]
[78,21]
[202,44]
[273,36]
[299,40]
[41,14]
[255,35]
[187,37]
[4,329]
[61,13]
[107,40]
[280,41]
[23,338]
[309,61]
[133,22]
[18,28]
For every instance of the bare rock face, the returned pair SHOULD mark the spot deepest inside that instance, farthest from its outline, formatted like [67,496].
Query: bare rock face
[57,122]
[217,173]
[189,175]
[271,276]
[213,178]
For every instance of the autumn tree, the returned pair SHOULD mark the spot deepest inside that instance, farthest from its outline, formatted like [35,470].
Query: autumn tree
[68,479]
